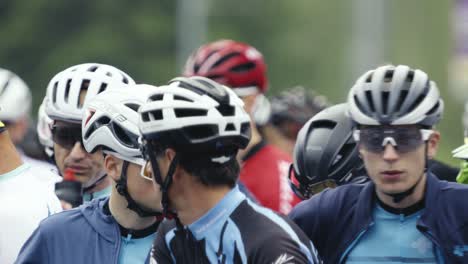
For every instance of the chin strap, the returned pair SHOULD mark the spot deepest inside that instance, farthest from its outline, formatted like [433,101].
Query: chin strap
[121,186]
[398,197]
[91,186]
[164,185]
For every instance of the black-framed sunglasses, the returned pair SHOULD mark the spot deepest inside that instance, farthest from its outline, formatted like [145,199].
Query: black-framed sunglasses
[403,139]
[67,135]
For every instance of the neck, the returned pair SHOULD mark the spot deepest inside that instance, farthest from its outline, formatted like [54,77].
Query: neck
[255,138]
[126,217]
[195,200]
[9,157]
[412,199]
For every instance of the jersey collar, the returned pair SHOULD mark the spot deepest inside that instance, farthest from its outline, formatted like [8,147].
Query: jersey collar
[218,214]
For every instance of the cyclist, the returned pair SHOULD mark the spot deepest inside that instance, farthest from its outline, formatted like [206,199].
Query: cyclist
[325,154]
[242,68]
[66,94]
[404,214]
[192,130]
[119,229]
[15,101]
[290,110]
[25,199]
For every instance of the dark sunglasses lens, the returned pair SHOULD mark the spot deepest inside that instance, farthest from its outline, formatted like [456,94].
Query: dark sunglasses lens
[66,136]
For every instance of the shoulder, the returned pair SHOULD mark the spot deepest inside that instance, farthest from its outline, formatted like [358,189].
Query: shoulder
[258,224]
[263,226]
[330,199]
[70,221]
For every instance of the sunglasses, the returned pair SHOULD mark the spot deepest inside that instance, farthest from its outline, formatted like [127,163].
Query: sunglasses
[66,136]
[145,172]
[403,139]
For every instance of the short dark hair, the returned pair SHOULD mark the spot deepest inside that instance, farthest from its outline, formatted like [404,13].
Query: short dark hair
[201,166]
[210,173]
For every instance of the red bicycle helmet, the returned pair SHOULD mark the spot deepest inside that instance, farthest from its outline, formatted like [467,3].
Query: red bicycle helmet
[234,64]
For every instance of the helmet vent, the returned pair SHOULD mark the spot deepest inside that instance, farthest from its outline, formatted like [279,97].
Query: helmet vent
[243,67]
[102,88]
[200,131]
[327,124]
[226,110]
[92,68]
[420,98]
[225,58]
[125,80]
[388,76]
[410,76]
[401,99]
[370,100]
[156,97]
[189,112]
[369,78]
[385,96]
[54,93]
[125,136]
[156,115]
[230,127]
[181,98]
[433,109]
[134,107]
[67,89]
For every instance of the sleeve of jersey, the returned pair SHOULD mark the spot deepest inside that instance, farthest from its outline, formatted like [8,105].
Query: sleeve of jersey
[161,252]
[35,249]
[284,250]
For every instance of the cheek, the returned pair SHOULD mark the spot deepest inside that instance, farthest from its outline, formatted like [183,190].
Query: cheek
[97,160]
[60,154]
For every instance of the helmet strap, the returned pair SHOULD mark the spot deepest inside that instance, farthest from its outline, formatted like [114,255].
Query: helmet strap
[164,185]
[121,186]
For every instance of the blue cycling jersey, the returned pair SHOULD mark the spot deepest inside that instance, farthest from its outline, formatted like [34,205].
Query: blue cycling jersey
[235,231]
[392,238]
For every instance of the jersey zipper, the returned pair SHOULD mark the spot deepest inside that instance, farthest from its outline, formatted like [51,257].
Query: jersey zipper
[351,246]
[439,252]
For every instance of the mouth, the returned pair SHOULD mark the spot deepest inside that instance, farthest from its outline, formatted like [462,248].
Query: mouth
[392,175]
[77,169]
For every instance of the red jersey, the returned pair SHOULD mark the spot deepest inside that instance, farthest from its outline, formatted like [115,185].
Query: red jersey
[264,172]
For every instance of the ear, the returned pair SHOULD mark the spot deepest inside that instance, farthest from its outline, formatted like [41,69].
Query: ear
[433,144]
[170,154]
[113,166]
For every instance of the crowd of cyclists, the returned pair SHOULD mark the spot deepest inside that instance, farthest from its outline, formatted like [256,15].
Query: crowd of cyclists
[207,169]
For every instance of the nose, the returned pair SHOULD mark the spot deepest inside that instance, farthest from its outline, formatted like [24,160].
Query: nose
[390,153]
[78,151]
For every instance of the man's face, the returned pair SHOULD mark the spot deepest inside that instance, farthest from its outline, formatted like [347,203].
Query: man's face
[71,155]
[141,189]
[395,169]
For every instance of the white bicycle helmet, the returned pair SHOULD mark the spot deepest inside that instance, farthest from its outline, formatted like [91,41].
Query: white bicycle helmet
[43,129]
[15,96]
[111,121]
[395,95]
[65,87]
[196,114]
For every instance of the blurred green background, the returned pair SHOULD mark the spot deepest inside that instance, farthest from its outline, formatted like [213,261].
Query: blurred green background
[323,45]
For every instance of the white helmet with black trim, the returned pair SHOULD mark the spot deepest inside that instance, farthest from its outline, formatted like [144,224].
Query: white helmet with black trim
[15,96]
[111,121]
[64,90]
[395,95]
[196,114]
[43,129]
